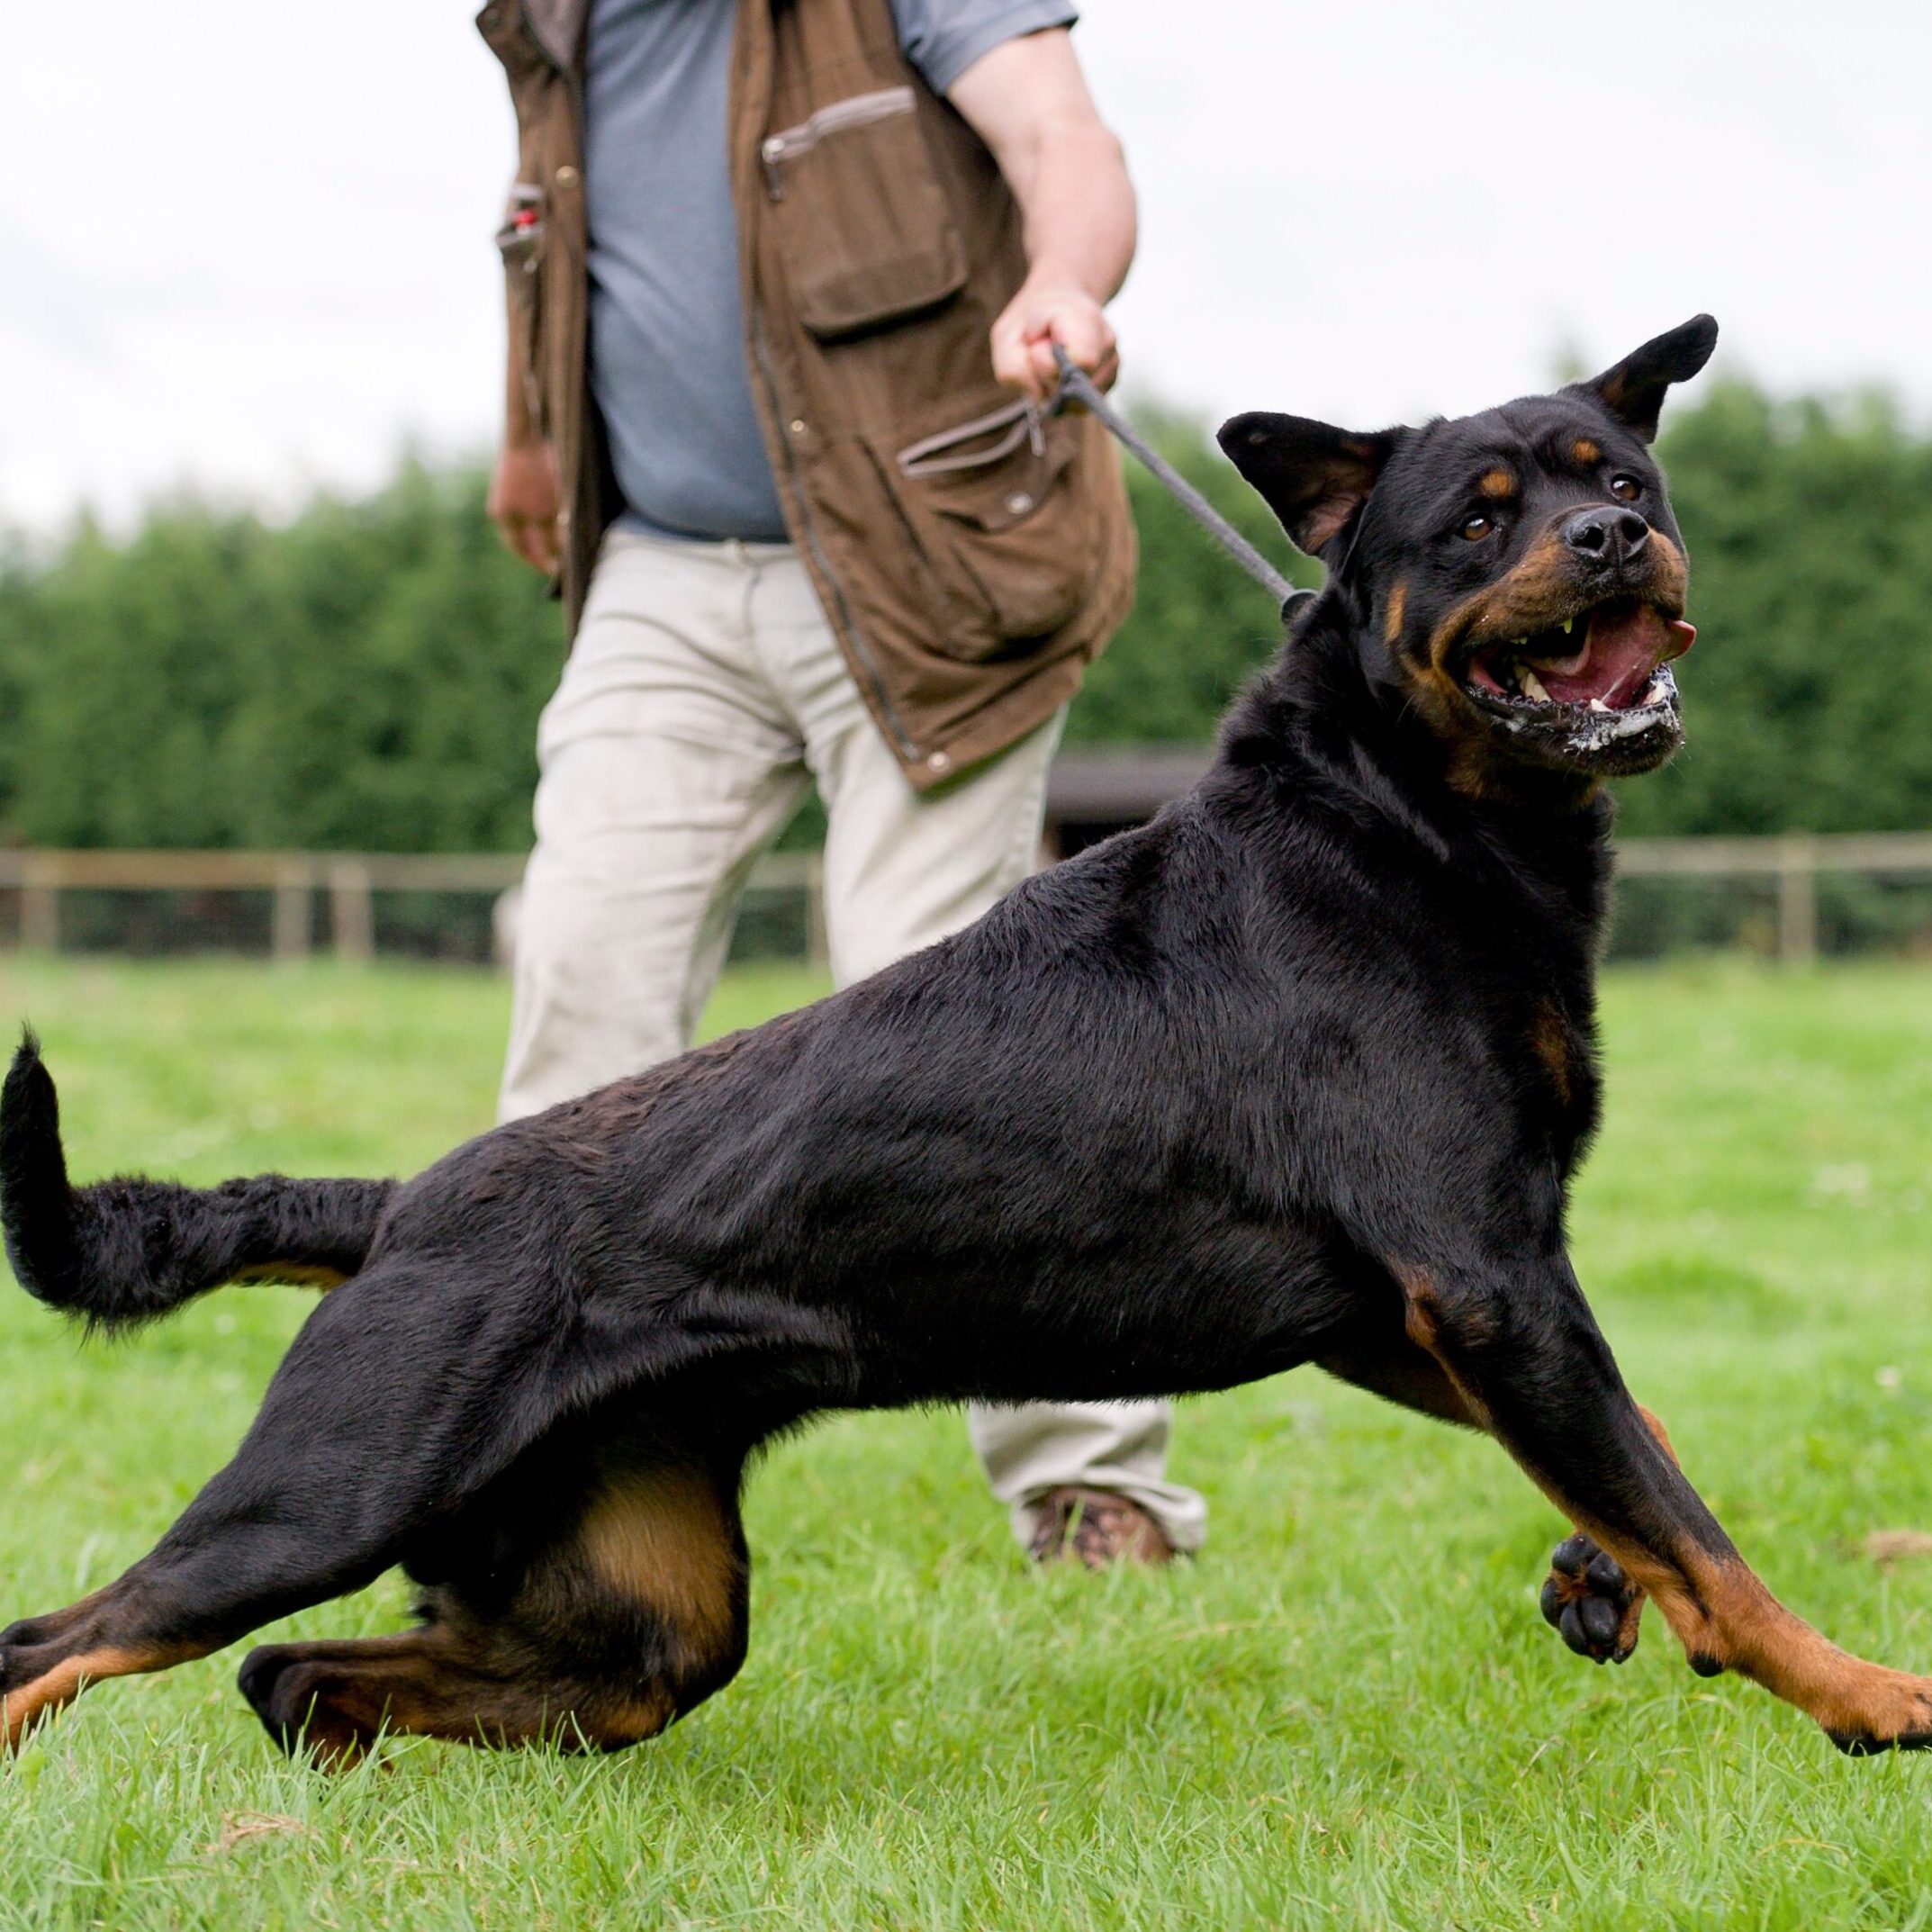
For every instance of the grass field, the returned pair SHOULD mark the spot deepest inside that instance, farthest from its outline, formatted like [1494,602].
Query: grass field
[1348,1713]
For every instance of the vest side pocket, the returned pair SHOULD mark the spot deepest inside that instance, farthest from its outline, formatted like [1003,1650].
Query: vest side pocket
[1001,540]
[860,218]
[521,242]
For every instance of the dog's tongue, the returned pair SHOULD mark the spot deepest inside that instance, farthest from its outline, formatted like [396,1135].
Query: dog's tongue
[1625,644]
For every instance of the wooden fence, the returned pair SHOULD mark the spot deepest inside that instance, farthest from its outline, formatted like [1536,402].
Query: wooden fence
[348,881]
[1793,865]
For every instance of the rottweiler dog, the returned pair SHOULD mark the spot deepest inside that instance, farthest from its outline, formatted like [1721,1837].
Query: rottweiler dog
[1298,1072]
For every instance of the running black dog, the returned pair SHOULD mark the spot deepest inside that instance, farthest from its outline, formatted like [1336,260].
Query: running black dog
[1298,1072]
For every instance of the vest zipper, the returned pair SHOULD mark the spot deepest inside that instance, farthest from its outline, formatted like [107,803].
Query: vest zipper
[858,111]
[848,627]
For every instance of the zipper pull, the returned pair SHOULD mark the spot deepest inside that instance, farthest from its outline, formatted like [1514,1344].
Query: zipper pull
[1035,431]
[772,150]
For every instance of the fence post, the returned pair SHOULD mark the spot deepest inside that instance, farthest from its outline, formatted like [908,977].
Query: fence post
[39,907]
[293,912]
[351,910]
[1797,898]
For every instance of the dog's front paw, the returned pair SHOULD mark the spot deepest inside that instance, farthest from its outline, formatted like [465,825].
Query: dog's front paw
[1592,1603]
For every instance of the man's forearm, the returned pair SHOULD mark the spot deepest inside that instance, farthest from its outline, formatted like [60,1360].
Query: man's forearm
[1071,181]
[520,420]
[1026,100]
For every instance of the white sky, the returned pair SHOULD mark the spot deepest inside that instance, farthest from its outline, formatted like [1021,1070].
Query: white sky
[248,244]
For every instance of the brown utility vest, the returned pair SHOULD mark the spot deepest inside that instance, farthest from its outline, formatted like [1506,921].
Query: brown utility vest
[972,556]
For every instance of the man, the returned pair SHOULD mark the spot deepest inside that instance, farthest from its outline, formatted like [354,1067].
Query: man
[785,280]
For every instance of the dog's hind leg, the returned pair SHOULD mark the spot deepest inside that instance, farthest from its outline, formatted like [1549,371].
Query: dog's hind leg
[1527,1356]
[591,1632]
[405,1393]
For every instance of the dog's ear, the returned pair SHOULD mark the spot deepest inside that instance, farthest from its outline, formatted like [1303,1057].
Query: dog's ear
[1313,476]
[1632,391]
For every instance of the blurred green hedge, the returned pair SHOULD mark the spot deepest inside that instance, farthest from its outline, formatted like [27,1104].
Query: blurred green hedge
[368,676]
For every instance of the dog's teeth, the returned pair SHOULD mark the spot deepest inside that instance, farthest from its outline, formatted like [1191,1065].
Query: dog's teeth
[1569,624]
[1597,704]
[1532,687]
[1657,693]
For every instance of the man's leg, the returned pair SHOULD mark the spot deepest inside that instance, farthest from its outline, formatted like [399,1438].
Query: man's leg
[668,767]
[902,871]
[1056,1464]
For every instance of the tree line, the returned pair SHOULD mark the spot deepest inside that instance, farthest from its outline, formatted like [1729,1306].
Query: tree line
[368,676]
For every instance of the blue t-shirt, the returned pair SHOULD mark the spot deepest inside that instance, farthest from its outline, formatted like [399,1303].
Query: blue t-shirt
[667,335]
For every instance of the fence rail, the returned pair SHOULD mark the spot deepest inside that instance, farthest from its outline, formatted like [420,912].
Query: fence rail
[347,883]
[1793,864]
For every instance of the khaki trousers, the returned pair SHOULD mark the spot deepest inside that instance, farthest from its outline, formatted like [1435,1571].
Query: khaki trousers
[703,696]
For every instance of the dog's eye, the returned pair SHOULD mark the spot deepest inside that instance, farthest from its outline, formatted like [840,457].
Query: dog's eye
[1477,526]
[1625,489]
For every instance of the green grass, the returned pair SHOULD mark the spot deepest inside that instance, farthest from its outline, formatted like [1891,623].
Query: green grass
[1348,1713]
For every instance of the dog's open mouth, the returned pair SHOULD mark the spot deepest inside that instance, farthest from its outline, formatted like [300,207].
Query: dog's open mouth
[1595,693]
[1614,656]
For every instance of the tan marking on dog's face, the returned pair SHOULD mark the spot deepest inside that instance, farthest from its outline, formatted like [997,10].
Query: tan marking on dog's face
[1540,581]
[1498,486]
[1398,605]
[1670,575]
[1540,588]
[1587,453]
[1539,591]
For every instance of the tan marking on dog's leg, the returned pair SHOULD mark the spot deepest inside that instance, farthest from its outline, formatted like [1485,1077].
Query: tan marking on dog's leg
[474,1688]
[53,1690]
[1726,1618]
[1722,1612]
[1570,1589]
[659,1536]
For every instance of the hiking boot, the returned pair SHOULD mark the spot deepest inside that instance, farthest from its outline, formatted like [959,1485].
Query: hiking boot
[1097,1528]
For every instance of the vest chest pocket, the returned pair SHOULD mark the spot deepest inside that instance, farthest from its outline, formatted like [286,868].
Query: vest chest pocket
[860,217]
[998,529]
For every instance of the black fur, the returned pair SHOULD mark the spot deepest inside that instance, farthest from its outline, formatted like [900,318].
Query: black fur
[1298,1072]
[126,1250]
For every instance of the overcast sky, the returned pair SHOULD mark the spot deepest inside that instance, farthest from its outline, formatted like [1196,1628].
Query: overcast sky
[248,244]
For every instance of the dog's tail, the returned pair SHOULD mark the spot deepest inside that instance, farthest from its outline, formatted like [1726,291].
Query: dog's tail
[126,1250]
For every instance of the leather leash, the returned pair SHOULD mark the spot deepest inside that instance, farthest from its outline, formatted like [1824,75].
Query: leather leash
[1077,386]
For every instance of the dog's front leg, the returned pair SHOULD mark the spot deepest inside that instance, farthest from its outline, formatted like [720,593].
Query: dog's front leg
[1586,1598]
[1596,1609]
[1518,1341]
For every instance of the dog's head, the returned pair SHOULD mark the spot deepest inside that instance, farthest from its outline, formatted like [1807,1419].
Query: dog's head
[1516,577]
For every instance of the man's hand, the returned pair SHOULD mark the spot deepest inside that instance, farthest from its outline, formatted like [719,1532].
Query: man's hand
[1028,102]
[523,503]
[1052,308]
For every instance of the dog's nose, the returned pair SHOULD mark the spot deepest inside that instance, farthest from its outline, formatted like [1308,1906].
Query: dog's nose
[1606,536]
